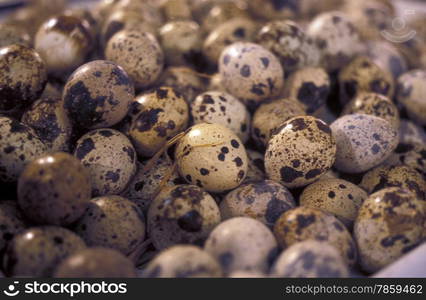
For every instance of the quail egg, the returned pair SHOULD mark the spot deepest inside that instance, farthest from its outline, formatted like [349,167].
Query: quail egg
[215,83]
[183,261]
[110,158]
[336,37]
[22,79]
[256,166]
[12,222]
[139,53]
[274,9]
[13,34]
[184,214]
[222,108]
[227,33]
[305,223]
[289,43]
[363,75]
[412,155]
[54,189]
[64,43]
[181,42]
[112,222]
[250,72]
[374,104]
[177,9]
[222,12]
[98,94]
[310,259]
[363,142]
[336,196]
[311,86]
[96,262]
[37,251]
[50,122]
[20,145]
[242,244]
[409,132]
[184,81]
[389,224]
[387,57]
[401,176]
[264,201]
[212,157]
[411,94]
[269,116]
[302,150]
[156,118]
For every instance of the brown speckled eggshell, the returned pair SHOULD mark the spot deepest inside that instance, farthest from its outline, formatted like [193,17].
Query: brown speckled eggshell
[273,9]
[54,189]
[12,222]
[110,158]
[212,157]
[222,108]
[13,34]
[22,79]
[264,201]
[300,152]
[305,223]
[37,251]
[155,118]
[183,261]
[336,196]
[250,72]
[184,214]
[363,142]
[98,94]
[19,146]
[410,154]
[139,53]
[112,222]
[390,223]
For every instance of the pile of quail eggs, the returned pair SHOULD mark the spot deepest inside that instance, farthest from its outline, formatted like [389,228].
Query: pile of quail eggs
[210,138]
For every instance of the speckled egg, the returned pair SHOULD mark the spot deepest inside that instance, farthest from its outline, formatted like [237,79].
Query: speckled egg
[222,108]
[390,223]
[139,53]
[212,157]
[112,222]
[409,132]
[288,42]
[242,244]
[401,176]
[12,222]
[363,75]
[64,43]
[305,223]
[311,86]
[157,116]
[336,196]
[250,72]
[411,94]
[374,104]
[274,9]
[256,166]
[300,152]
[176,9]
[269,116]
[336,37]
[222,12]
[412,155]
[37,251]
[184,81]
[310,259]
[54,189]
[227,33]
[98,94]
[51,123]
[96,262]
[110,158]
[144,186]
[363,142]
[387,57]
[181,42]
[184,214]
[20,145]
[13,34]
[22,79]
[183,261]
[264,201]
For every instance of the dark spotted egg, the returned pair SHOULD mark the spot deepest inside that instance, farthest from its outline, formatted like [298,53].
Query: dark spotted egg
[12,220]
